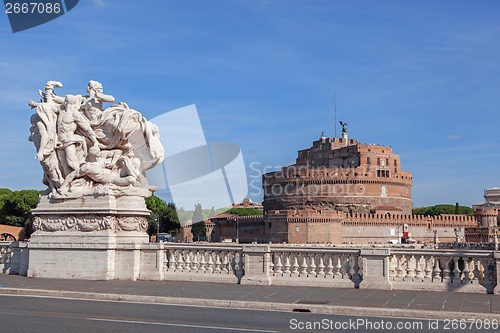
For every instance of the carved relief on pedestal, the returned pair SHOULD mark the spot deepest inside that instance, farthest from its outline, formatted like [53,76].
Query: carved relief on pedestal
[87,223]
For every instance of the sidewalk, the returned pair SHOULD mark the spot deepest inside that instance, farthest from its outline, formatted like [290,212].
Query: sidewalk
[395,303]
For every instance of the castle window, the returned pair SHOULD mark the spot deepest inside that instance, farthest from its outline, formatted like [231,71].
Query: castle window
[383,173]
[395,170]
[378,160]
[368,161]
[308,154]
[395,162]
[387,161]
[297,229]
[369,150]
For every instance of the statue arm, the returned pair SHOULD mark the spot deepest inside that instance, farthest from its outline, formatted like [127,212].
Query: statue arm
[105,98]
[84,124]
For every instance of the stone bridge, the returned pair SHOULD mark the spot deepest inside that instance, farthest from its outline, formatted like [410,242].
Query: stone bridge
[458,270]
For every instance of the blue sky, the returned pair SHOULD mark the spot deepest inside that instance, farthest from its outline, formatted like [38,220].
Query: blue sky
[421,76]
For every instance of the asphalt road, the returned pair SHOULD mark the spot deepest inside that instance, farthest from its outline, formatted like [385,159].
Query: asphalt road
[42,314]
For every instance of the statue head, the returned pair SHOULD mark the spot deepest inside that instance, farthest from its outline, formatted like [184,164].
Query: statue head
[94,86]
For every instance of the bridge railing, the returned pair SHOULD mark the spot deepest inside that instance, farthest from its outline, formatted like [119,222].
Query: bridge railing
[460,270]
[14,257]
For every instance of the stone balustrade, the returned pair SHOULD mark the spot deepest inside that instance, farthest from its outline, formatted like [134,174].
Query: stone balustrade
[445,270]
[14,257]
[327,267]
[458,270]
[203,263]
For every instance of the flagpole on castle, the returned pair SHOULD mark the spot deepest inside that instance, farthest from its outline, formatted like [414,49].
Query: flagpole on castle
[335,123]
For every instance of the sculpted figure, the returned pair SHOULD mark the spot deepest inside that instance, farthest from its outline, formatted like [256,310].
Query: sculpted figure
[344,127]
[99,168]
[70,119]
[93,102]
[85,149]
[44,132]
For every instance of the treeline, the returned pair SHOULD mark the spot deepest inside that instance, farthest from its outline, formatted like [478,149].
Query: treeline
[16,206]
[165,218]
[443,209]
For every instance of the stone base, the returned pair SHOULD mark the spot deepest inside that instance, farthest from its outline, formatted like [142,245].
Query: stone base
[96,238]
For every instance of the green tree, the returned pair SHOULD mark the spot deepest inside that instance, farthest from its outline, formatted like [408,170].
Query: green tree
[156,206]
[198,229]
[16,206]
[443,209]
[244,211]
[169,221]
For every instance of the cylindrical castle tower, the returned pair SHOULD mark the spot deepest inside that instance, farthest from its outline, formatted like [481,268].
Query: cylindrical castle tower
[341,174]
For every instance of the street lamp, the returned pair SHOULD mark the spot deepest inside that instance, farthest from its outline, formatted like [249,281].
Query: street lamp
[157,227]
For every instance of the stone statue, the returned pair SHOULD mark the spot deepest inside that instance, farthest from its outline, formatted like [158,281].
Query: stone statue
[86,149]
[344,127]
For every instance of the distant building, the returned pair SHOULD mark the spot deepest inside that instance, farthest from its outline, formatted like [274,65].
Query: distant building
[486,214]
[247,203]
[341,191]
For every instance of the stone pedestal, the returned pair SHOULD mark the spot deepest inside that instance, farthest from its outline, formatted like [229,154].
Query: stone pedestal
[375,269]
[88,238]
[257,259]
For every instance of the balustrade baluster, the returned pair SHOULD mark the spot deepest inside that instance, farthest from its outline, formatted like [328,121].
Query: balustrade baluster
[312,266]
[338,267]
[419,277]
[427,269]
[456,271]
[437,271]
[321,266]
[409,269]
[286,271]
[356,277]
[203,262]
[217,269]
[295,265]
[486,272]
[476,271]
[225,263]
[234,264]
[210,262]
[303,267]
[195,264]
[399,269]
[187,266]
[446,269]
[466,278]
[241,267]
[278,265]
[329,267]
[180,261]
[346,266]
[172,264]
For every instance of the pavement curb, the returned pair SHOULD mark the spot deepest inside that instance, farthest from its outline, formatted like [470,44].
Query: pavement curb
[313,308]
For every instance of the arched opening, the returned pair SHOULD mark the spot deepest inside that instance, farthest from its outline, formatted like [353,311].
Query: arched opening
[7,237]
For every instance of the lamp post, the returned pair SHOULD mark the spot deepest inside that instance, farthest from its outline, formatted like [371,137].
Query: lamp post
[157,226]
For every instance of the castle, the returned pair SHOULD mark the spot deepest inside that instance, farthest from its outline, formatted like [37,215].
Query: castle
[340,191]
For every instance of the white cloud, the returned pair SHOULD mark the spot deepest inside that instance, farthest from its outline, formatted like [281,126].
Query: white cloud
[453,137]
[100,3]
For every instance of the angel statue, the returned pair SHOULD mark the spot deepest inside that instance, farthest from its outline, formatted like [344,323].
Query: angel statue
[344,127]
